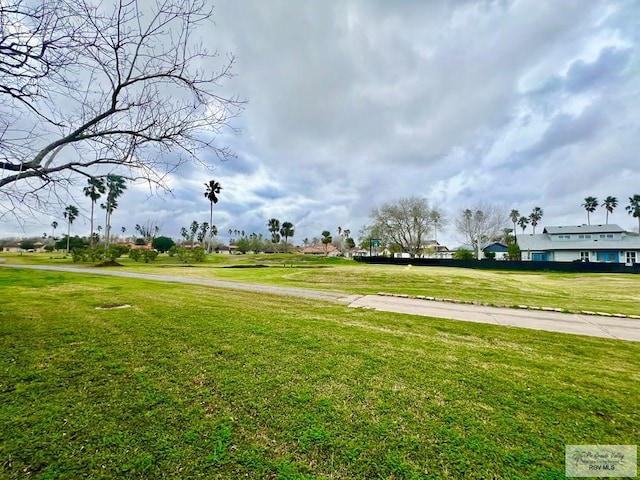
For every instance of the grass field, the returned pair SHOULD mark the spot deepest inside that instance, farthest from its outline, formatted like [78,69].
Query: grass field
[196,382]
[612,293]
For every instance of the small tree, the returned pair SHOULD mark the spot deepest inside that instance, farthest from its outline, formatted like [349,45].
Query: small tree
[514,252]
[162,244]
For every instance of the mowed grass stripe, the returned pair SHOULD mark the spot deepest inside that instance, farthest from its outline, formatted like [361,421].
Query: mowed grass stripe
[610,293]
[196,382]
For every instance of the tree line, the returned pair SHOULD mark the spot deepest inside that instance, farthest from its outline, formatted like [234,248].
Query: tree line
[409,224]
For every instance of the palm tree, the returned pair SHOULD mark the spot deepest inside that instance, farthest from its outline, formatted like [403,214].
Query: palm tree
[213,189]
[609,204]
[326,239]
[633,208]
[94,190]
[115,187]
[54,225]
[274,229]
[286,231]
[590,204]
[535,217]
[523,222]
[70,213]
[515,216]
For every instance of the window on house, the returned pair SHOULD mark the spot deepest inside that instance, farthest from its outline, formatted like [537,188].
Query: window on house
[564,237]
[583,236]
[609,235]
[631,257]
[602,235]
[584,256]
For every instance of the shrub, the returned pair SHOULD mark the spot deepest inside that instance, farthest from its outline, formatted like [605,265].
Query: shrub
[514,252]
[162,244]
[135,254]
[198,254]
[463,254]
[116,251]
[149,255]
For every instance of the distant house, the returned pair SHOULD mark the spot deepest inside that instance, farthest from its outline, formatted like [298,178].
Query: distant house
[500,250]
[587,243]
[329,250]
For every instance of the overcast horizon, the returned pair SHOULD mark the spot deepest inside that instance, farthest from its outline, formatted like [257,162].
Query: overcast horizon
[352,104]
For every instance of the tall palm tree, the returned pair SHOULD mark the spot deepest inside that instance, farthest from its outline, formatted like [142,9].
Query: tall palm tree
[535,217]
[633,208]
[514,216]
[94,190]
[115,187]
[609,204]
[326,240]
[70,213]
[523,222]
[274,229]
[211,193]
[286,231]
[590,204]
[54,225]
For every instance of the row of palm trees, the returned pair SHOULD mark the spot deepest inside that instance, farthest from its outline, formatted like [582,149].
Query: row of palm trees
[590,205]
[522,221]
[111,185]
[278,231]
[610,203]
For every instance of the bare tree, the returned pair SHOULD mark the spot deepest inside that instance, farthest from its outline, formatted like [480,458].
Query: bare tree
[406,222]
[481,223]
[91,89]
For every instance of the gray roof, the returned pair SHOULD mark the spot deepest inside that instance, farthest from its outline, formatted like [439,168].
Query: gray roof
[543,242]
[610,228]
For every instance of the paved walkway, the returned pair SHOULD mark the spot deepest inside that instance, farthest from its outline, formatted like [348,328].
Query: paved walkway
[590,325]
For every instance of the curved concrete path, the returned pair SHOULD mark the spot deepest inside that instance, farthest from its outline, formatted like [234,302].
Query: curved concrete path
[590,325]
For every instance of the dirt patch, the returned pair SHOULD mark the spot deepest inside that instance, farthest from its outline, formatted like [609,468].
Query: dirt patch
[246,266]
[109,263]
[113,306]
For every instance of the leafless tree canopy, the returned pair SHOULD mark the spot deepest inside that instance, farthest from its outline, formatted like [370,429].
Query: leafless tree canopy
[107,87]
[481,224]
[407,222]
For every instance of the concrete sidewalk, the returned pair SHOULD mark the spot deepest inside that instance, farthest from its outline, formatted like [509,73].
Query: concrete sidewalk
[590,325]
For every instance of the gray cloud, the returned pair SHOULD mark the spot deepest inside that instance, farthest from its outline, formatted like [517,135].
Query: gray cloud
[359,102]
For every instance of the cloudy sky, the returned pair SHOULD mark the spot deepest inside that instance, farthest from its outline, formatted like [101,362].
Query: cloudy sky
[354,103]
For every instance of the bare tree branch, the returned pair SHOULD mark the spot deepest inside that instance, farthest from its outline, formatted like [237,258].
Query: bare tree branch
[83,87]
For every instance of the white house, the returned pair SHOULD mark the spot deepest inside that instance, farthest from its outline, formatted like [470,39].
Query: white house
[587,243]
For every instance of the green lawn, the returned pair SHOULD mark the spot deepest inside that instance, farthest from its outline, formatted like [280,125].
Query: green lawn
[196,382]
[612,293]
